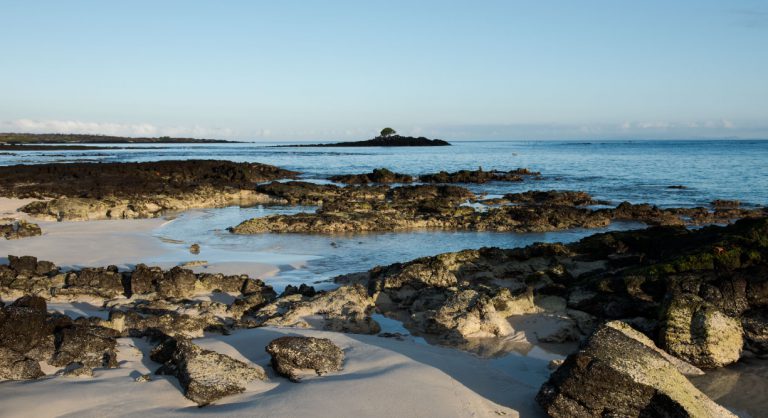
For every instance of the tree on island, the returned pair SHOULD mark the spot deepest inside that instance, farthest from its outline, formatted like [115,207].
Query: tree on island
[387,132]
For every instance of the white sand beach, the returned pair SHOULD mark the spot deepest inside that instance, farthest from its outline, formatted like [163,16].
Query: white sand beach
[381,377]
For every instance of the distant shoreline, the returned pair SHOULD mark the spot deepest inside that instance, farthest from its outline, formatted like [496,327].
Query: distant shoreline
[25,138]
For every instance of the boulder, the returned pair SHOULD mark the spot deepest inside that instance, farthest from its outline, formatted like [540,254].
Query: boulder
[177,283]
[222,283]
[378,175]
[133,324]
[15,366]
[755,324]
[19,229]
[699,333]
[470,313]
[144,279]
[292,355]
[23,265]
[617,374]
[90,346]
[103,282]
[23,324]
[204,375]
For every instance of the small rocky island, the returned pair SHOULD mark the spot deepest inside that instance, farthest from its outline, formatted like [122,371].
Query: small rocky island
[387,138]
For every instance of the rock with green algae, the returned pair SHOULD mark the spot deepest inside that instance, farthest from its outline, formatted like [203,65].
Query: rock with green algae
[619,373]
[699,333]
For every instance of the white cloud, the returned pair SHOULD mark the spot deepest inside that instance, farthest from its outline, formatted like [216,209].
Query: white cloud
[109,128]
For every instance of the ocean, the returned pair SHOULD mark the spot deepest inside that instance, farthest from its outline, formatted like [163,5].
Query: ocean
[635,171]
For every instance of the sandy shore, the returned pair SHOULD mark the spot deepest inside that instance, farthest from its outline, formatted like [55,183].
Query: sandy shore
[381,377]
[123,243]
[9,207]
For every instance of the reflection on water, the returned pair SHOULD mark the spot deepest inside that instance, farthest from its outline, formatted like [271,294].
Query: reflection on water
[322,257]
[742,387]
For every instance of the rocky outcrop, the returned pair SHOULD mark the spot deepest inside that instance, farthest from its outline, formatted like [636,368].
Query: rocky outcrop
[460,296]
[205,376]
[137,321]
[380,208]
[103,282]
[553,197]
[146,206]
[428,215]
[27,275]
[305,193]
[346,309]
[699,293]
[80,191]
[378,175]
[19,229]
[86,345]
[618,373]
[15,366]
[292,355]
[477,176]
[130,180]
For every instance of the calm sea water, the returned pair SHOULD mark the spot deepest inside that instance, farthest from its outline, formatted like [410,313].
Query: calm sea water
[635,171]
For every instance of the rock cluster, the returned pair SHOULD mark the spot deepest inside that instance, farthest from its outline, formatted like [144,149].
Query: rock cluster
[292,355]
[383,176]
[27,275]
[478,176]
[19,229]
[380,208]
[699,294]
[378,175]
[29,335]
[553,197]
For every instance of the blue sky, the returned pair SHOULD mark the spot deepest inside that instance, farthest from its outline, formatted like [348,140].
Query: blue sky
[288,70]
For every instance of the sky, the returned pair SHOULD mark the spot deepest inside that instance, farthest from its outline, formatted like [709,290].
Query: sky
[324,70]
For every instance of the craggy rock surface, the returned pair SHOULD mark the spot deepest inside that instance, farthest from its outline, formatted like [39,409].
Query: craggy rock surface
[19,229]
[29,335]
[477,176]
[205,375]
[130,190]
[553,197]
[304,193]
[618,373]
[158,301]
[423,207]
[380,208]
[697,331]
[346,309]
[378,175]
[291,355]
[699,294]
